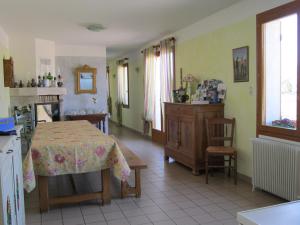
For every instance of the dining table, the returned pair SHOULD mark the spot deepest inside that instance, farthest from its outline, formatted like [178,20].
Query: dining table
[72,147]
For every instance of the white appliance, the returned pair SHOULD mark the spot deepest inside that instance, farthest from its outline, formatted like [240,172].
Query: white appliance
[282,214]
[276,167]
[12,211]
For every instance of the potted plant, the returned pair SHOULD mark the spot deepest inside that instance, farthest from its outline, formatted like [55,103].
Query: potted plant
[48,80]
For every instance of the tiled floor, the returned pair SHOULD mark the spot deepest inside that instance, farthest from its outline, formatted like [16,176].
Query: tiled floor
[170,195]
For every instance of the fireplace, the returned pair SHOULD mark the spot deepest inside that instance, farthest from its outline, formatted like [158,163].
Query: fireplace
[31,106]
[46,112]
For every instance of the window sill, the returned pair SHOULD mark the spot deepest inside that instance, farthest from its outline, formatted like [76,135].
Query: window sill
[278,132]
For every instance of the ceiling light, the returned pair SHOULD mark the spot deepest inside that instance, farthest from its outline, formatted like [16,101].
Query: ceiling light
[96,27]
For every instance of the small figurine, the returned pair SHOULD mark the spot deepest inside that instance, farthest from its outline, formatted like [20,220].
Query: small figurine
[60,81]
[20,84]
[54,82]
[33,82]
[28,84]
[16,85]
[40,82]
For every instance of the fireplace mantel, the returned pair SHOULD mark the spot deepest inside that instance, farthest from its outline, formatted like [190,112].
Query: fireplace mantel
[37,91]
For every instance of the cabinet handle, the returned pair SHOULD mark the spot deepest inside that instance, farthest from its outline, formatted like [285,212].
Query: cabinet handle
[9,151]
[18,138]
[179,134]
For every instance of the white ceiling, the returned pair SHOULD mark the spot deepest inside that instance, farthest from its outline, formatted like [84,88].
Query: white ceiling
[129,24]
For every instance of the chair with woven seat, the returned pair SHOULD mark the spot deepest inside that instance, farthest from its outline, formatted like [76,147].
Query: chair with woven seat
[219,131]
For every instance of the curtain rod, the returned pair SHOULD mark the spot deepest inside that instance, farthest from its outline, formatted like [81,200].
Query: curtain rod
[124,59]
[157,46]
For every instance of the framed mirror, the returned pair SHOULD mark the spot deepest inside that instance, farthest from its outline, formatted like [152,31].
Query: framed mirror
[86,80]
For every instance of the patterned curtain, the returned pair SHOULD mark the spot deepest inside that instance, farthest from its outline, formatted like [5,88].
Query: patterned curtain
[167,56]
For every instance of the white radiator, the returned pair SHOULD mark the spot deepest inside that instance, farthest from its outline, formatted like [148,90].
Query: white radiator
[276,167]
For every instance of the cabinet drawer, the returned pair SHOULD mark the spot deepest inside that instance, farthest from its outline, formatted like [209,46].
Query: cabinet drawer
[180,110]
[172,109]
[187,110]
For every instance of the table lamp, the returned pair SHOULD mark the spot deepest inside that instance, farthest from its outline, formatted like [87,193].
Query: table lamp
[189,79]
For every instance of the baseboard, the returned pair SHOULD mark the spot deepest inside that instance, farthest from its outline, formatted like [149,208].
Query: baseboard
[131,129]
[245,178]
[158,136]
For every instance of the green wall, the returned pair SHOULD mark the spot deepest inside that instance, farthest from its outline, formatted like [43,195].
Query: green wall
[132,116]
[4,92]
[206,57]
[210,56]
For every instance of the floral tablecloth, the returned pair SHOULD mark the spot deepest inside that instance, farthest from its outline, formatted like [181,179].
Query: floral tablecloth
[71,147]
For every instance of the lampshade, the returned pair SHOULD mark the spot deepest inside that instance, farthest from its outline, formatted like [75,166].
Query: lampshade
[189,78]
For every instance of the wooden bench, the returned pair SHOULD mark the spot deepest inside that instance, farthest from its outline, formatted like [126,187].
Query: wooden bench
[134,163]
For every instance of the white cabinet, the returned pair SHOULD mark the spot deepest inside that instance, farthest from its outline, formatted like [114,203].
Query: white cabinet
[12,210]
[7,193]
[282,214]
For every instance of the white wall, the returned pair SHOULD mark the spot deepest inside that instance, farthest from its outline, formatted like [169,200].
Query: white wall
[68,58]
[44,49]
[4,41]
[22,49]
[80,50]
[4,91]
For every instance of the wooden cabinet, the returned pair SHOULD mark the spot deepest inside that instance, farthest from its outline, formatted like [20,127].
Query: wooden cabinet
[8,69]
[186,132]
[11,181]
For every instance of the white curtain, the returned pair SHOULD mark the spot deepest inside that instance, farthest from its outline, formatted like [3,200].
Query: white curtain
[122,84]
[120,79]
[167,51]
[159,81]
[150,75]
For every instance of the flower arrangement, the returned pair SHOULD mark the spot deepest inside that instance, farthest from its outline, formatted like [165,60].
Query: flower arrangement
[286,123]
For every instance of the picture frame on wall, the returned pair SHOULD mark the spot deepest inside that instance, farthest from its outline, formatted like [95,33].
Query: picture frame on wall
[240,58]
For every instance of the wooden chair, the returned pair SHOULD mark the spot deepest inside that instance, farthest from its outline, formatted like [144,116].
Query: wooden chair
[220,131]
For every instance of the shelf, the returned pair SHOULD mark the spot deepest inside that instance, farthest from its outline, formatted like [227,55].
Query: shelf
[19,92]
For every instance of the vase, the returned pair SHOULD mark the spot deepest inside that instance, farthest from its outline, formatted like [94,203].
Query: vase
[46,83]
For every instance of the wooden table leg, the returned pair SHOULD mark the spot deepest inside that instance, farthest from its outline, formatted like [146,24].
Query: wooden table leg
[43,192]
[124,189]
[105,178]
[72,183]
[138,183]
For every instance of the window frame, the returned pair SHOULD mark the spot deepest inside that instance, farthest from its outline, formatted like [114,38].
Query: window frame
[126,65]
[261,19]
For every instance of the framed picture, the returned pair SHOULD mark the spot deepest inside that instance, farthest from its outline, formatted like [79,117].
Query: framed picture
[241,64]
[86,80]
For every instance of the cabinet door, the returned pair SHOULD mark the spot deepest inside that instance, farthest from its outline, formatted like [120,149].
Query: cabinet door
[7,192]
[186,140]
[172,125]
[18,182]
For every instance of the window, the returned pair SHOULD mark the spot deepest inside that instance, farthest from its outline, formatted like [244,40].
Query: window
[159,83]
[277,72]
[123,84]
